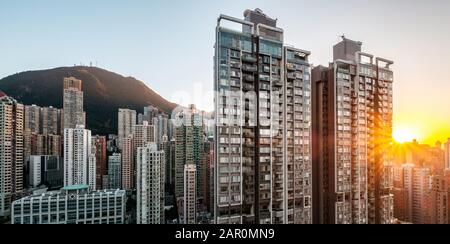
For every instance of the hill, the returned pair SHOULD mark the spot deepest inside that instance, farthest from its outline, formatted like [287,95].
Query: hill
[104,93]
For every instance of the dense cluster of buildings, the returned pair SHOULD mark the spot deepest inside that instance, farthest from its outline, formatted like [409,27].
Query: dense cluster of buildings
[288,143]
[421,183]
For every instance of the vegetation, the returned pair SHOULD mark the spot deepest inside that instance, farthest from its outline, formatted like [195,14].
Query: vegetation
[104,93]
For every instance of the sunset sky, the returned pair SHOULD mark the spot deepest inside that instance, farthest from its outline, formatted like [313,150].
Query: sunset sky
[169,44]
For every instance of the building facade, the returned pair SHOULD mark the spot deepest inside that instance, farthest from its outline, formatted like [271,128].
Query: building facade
[263,125]
[32,119]
[126,121]
[71,205]
[101,162]
[51,121]
[73,103]
[115,171]
[150,184]
[11,152]
[79,160]
[188,134]
[190,194]
[128,181]
[353,129]
[46,170]
[447,154]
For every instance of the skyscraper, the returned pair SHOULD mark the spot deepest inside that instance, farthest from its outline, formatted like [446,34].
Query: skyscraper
[32,119]
[73,103]
[51,121]
[150,112]
[127,163]
[126,121]
[353,129]
[263,125]
[150,184]
[99,149]
[438,200]
[161,123]
[143,135]
[188,147]
[41,144]
[403,192]
[115,171]
[11,152]
[79,161]
[447,154]
[420,193]
[190,194]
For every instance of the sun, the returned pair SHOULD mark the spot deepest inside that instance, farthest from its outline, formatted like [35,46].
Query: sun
[404,135]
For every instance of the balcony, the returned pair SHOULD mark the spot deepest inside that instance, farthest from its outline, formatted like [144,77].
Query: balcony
[249,68]
[249,78]
[249,87]
[290,67]
[291,76]
[249,58]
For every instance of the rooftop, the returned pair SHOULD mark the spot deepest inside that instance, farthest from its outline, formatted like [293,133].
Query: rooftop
[75,187]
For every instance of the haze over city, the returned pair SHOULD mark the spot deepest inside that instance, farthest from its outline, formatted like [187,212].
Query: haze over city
[170,44]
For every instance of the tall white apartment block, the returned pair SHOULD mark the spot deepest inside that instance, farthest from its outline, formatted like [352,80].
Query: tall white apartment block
[79,161]
[150,184]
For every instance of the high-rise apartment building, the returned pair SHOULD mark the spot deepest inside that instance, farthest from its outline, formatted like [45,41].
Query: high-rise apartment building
[112,143]
[170,163]
[71,205]
[50,121]
[205,168]
[352,109]
[150,112]
[41,144]
[438,200]
[447,155]
[150,184]
[46,170]
[143,134]
[32,119]
[73,103]
[263,125]
[11,152]
[161,123]
[79,160]
[190,194]
[42,120]
[72,83]
[126,121]
[403,192]
[128,163]
[99,149]
[420,195]
[115,171]
[188,147]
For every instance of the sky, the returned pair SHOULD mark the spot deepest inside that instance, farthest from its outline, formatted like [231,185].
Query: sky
[169,44]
